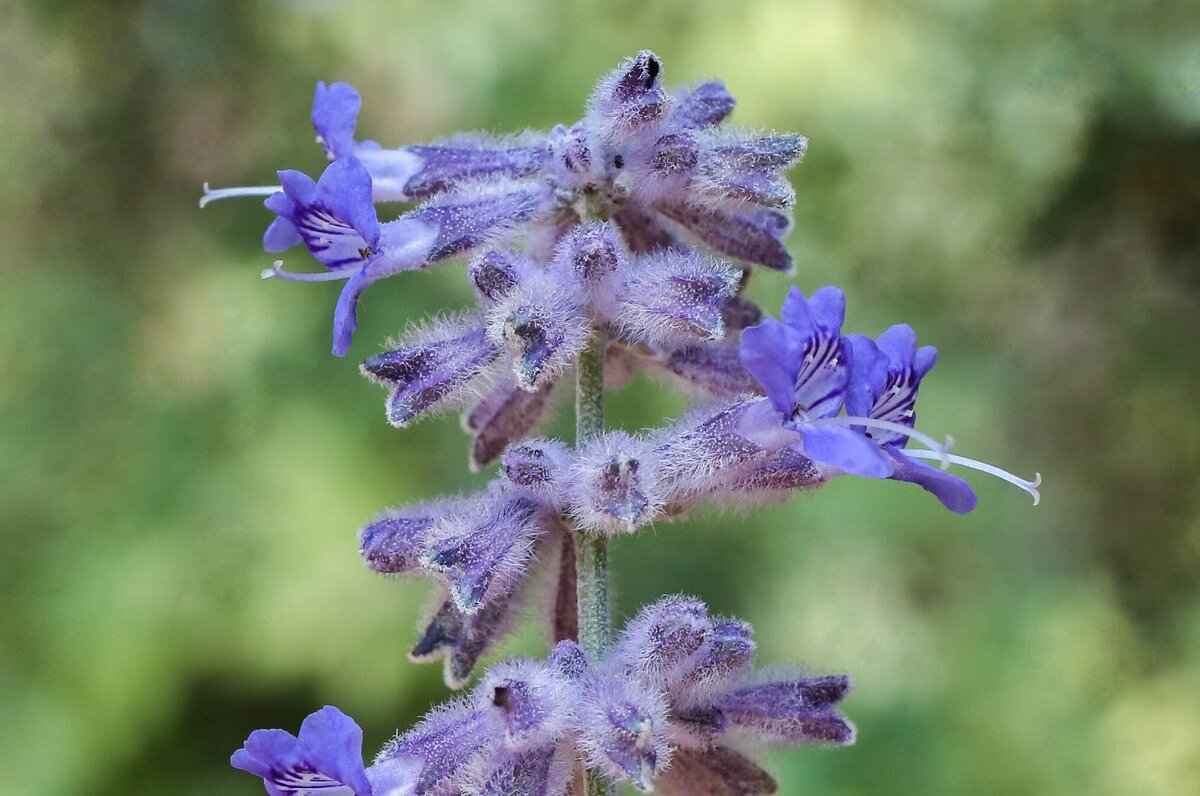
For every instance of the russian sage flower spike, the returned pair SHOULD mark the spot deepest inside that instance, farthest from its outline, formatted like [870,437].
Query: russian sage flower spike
[659,712]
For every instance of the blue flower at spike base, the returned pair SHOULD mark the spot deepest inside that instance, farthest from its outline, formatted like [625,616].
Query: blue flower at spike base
[326,759]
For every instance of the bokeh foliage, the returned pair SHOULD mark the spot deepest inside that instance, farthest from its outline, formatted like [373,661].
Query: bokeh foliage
[183,466]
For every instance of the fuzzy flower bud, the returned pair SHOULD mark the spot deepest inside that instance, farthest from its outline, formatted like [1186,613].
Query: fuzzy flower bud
[612,486]
[431,367]
[673,298]
[543,329]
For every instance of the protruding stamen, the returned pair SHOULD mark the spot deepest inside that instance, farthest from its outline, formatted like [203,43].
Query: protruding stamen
[276,272]
[940,450]
[211,195]
[1004,475]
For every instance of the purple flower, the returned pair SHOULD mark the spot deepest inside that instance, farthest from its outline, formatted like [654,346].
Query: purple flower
[885,376]
[333,217]
[326,758]
[802,365]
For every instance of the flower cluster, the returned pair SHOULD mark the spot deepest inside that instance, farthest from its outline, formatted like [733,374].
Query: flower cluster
[665,710]
[629,234]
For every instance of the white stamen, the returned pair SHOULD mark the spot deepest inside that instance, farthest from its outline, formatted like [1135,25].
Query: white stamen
[211,195]
[940,450]
[1029,486]
[276,272]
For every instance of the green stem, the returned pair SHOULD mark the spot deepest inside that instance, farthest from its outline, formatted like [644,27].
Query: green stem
[591,550]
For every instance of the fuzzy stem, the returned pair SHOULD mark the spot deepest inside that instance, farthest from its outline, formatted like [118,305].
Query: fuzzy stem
[591,550]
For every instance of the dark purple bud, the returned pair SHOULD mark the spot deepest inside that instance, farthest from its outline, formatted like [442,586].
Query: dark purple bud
[786,470]
[642,230]
[763,152]
[740,313]
[393,542]
[792,710]
[469,157]
[504,416]
[638,77]
[495,274]
[483,551]
[745,185]
[728,655]
[664,640]
[754,236]
[538,467]
[444,740]
[570,150]
[714,772]
[570,660]
[544,330]
[613,485]
[629,99]
[432,368]
[698,726]
[716,369]
[674,297]
[624,731]
[533,700]
[477,215]
[702,105]
[462,639]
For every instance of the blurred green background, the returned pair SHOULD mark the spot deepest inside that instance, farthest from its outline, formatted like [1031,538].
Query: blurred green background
[184,466]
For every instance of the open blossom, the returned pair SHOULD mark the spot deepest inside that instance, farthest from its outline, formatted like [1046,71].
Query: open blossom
[665,710]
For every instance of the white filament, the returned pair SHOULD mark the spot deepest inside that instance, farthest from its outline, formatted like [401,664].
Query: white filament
[276,272]
[212,195]
[1029,486]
